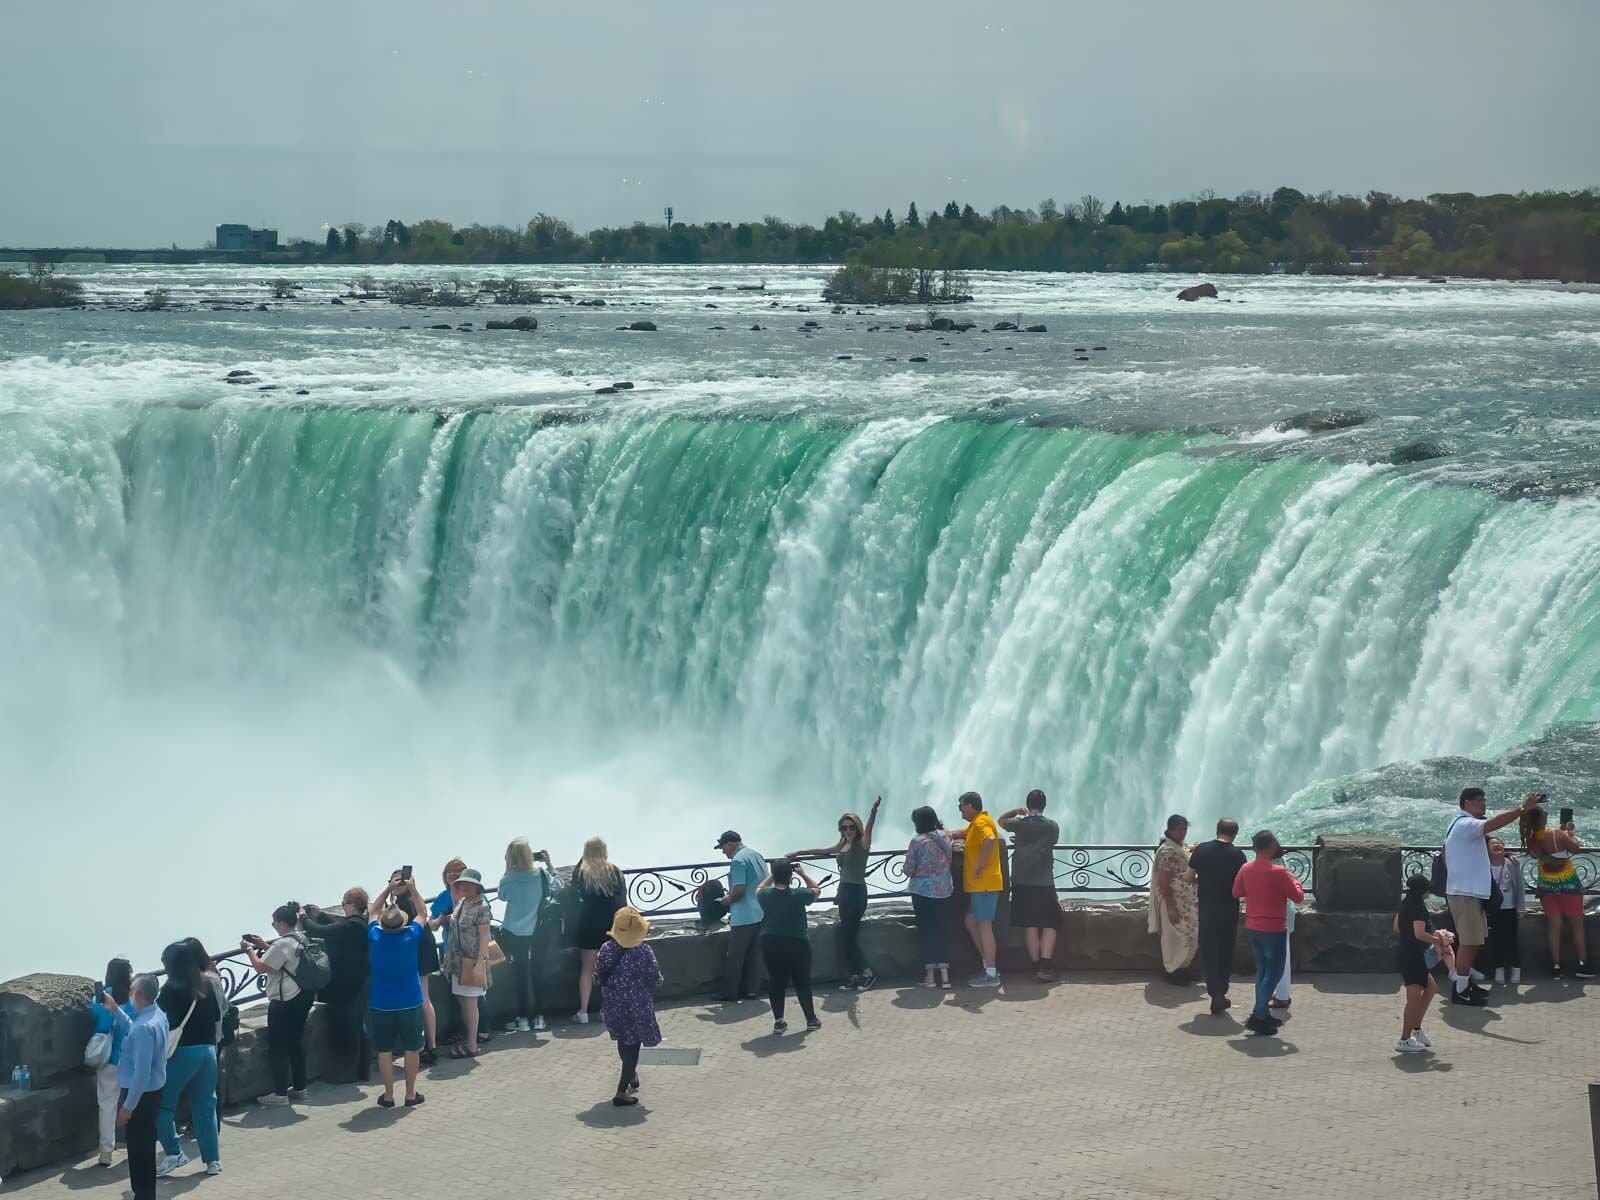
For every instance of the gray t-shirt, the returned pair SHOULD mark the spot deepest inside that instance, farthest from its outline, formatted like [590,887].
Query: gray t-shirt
[1033,859]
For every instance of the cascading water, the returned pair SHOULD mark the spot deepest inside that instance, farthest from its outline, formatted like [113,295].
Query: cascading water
[907,606]
[252,649]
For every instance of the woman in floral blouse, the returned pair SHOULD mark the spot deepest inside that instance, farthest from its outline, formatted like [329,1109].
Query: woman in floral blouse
[928,881]
[1175,902]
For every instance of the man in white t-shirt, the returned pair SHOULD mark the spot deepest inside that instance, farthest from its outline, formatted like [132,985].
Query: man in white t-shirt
[1466,864]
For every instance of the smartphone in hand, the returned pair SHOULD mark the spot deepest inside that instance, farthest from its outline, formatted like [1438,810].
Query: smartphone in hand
[1566,816]
[405,873]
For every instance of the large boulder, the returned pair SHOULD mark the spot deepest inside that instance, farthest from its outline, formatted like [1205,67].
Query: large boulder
[1357,872]
[643,326]
[1415,452]
[1321,420]
[524,323]
[1200,291]
[45,1023]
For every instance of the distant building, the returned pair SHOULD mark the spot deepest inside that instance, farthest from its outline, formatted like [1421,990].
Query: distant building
[242,237]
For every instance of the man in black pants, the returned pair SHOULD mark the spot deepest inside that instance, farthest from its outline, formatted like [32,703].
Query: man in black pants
[142,1076]
[1215,864]
[345,997]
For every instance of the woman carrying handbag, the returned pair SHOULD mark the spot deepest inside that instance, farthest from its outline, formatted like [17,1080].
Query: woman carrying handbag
[468,954]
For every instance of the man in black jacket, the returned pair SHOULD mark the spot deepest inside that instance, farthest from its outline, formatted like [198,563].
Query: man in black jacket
[1215,864]
[349,1049]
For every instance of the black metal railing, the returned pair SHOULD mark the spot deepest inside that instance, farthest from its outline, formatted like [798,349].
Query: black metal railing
[1418,860]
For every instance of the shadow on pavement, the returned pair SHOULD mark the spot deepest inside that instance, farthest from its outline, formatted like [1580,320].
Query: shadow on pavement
[1550,991]
[1206,1025]
[606,1115]
[733,1012]
[91,1175]
[919,998]
[323,1094]
[1420,1064]
[266,1117]
[1264,1046]
[372,1118]
[774,1044]
[1160,994]
[1351,985]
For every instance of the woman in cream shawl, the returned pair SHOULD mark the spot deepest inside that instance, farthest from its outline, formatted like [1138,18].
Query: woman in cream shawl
[1174,902]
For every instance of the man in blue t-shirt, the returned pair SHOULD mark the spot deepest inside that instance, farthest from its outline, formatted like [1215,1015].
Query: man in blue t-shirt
[395,1004]
[740,976]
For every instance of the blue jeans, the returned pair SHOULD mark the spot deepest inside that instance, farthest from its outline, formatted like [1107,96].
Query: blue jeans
[1270,951]
[192,1072]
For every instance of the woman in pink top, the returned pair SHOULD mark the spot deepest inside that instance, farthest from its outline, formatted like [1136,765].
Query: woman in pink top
[1267,889]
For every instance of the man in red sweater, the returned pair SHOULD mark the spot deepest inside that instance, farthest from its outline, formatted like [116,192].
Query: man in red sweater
[1267,889]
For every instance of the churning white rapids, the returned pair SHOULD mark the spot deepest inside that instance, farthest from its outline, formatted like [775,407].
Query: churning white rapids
[411,592]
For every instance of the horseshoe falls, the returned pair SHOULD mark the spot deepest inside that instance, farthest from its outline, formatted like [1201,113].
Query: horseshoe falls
[416,615]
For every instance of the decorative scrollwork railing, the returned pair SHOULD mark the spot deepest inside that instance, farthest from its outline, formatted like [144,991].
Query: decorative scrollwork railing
[1418,860]
[1125,870]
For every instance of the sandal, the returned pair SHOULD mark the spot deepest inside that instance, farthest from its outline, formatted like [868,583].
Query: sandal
[429,1056]
[462,1051]
[385,1101]
[413,1101]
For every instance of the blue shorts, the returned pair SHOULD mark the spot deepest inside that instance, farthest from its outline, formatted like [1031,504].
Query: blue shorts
[396,1029]
[981,906]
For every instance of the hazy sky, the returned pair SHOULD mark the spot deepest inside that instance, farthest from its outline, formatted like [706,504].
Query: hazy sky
[148,123]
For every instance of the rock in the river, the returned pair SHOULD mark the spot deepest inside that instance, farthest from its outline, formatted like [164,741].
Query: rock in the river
[843,357]
[1080,358]
[810,325]
[1005,326]
[1097,347]
[238,373]
[964,326]
[755,329]
[624,386]
[941,324]
[302,391]
[590,303]
[242,379]
[1035,329]
[643,327]
[438,327]
[336,300]
[605,391]
[917,358]
[915,327]
[716,287]
[525,323]
[1320,420]
[1414,452]
[1199,291]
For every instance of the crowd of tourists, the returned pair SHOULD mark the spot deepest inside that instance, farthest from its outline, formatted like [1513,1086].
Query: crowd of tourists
[156,1040]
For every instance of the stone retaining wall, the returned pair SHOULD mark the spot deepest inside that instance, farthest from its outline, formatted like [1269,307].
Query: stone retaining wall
[44,1019]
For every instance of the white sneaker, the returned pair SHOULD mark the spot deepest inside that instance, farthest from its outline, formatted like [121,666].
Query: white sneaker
[523,1025]
[1499,974]
[1409,1045]
[1419,1036]
[583,1018]
[1477,975]
[298,1095]
[213,1168]
[511,1027]
[171,1162]
[538,1025]
[272,1100]
[1516,975]
[105,1158]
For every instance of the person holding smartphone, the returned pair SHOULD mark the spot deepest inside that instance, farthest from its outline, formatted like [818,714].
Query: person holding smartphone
[1560,891]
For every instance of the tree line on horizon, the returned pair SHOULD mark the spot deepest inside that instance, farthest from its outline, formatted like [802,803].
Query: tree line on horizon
[1545,235]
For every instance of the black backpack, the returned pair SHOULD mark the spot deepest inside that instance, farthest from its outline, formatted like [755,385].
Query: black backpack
[711,903]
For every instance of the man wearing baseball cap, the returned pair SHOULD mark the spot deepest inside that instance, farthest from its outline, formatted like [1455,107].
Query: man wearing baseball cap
[740,976]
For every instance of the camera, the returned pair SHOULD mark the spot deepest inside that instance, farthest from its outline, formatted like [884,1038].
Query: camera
[405,873]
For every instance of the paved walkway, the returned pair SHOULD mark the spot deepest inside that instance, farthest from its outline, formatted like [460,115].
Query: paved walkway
[1101,1086]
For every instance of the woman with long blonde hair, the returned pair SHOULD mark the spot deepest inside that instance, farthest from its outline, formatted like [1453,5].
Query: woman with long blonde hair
[601,891]
[525,886]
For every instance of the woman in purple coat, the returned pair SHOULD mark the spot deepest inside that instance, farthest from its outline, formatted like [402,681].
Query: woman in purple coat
[628,976]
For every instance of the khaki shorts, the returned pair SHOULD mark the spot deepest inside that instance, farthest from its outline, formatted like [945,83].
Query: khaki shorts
[1472,927]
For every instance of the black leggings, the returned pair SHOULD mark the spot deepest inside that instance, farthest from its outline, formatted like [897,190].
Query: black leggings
[1503,948]
[629,1054]
[788,961]
[286,1041]
[852,907]
[933,929]
[520,959]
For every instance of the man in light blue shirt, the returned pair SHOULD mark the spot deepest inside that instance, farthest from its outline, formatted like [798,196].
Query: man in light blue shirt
[141,1074]
[740,976]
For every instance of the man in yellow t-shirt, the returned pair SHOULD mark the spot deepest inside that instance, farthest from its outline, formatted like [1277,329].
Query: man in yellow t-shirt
[983,882]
